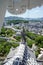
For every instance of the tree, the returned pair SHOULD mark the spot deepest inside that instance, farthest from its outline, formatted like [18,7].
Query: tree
[39,41]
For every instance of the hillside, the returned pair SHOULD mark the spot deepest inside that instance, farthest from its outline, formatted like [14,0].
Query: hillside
[20,18]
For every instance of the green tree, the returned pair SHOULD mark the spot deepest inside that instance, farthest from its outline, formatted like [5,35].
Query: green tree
[39,41]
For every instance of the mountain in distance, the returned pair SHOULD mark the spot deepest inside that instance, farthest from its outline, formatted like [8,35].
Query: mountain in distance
[20,18]
[14,18]
[41,19]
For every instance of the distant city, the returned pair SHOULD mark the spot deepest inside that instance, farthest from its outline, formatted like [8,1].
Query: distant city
[34,25]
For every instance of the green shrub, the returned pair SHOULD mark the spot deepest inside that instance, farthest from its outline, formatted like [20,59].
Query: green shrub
[6,32]
[30,42]
[31,35]
[18,38]
[39,41]
[5,47]
[37,52]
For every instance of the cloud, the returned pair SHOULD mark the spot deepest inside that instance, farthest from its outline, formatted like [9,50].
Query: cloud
[33,13]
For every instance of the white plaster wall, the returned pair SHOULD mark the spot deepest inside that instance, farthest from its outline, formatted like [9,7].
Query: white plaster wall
[3,6]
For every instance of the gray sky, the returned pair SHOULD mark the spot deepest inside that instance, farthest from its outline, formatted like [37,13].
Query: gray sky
[33,13]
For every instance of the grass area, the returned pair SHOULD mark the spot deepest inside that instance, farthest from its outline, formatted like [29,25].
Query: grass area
[31,39]
[5,47]
[30,42]
[34,39]
[4,44]
[6,32]
[18,38]
[31,35]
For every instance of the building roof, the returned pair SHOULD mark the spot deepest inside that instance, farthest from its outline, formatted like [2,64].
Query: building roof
[20,6]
